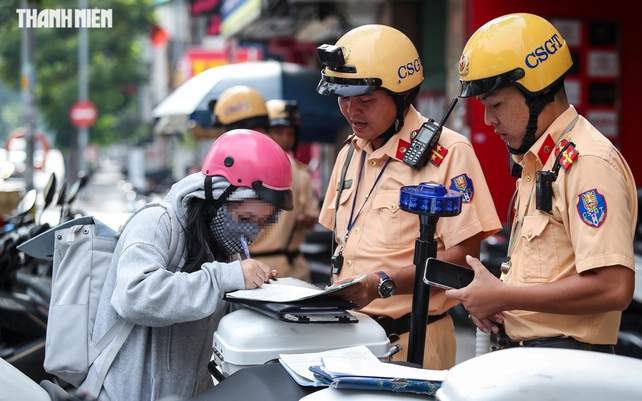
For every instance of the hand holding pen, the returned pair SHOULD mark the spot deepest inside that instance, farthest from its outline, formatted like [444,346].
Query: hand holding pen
[271,274]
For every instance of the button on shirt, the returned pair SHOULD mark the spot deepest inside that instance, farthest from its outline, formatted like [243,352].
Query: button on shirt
[591,225]
[386,235]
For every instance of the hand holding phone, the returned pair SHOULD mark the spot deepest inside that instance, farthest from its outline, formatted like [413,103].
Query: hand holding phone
[447,275]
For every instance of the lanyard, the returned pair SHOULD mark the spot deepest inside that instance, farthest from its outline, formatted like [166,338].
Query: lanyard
[352,221]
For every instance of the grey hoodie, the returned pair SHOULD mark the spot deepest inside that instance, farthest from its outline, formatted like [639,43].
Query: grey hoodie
[176,313]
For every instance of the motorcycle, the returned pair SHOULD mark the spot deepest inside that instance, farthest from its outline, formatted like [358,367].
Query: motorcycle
[24,290]
[25,284]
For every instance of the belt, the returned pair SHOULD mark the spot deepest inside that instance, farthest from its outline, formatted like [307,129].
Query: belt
[395,327]
[555,342]
[288,254]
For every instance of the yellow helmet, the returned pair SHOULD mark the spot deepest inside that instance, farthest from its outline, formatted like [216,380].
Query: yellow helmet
[283,112]
[367,58]
[241,107]
[523,50]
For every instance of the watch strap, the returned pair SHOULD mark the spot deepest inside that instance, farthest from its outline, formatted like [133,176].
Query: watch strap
[382,276]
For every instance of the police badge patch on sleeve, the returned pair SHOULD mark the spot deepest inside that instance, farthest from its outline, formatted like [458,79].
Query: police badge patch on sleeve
[462,183]
[591,206]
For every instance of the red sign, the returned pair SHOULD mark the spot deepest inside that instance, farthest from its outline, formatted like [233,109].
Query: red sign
[83,114]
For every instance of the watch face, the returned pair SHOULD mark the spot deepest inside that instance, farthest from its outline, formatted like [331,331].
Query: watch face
[386,288]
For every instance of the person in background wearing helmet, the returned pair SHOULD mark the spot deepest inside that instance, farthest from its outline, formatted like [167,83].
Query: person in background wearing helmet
[571,269]
[278,245]
[241,107]
[244,182]
[375,72]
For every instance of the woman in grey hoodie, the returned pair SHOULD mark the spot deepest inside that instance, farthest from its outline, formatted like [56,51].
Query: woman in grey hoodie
[244,183]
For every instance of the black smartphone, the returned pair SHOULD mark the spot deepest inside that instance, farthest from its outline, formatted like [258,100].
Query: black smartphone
[447,275]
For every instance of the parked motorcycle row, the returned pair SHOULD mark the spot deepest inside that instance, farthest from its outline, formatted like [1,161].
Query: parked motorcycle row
[25,282]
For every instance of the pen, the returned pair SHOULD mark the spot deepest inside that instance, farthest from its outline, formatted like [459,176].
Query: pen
[247,251]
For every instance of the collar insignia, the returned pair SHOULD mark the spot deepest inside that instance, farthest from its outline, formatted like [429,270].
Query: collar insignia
[546,149]
[402,147]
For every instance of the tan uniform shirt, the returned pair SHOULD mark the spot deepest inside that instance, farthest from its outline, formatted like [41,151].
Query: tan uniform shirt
[591,224]
[383,236]
[283,235]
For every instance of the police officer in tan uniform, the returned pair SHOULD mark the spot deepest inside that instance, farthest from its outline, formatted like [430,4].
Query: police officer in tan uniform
[571,269]
[376,80]
[278,245]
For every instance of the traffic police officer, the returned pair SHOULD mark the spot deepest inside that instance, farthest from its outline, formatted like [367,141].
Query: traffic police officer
[278,245]
[375,71]
[571,269]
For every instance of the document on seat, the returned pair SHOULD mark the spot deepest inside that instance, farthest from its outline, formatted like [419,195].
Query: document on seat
[298,365]
[337,366]
[287,289]
[358,368]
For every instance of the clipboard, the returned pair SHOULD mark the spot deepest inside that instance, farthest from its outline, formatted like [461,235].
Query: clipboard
[313,310]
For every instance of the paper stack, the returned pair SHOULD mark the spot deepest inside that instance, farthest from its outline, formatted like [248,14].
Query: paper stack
[358,368]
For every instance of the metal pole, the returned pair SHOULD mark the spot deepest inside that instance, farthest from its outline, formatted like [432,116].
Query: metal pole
[425,247]
[83,90]
[430,201]
[27,83]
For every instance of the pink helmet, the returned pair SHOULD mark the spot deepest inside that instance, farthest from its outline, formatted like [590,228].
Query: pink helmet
[251,159]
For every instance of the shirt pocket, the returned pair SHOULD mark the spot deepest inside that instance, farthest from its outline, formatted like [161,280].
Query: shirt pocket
[389,220]
[539,259]
[344,211]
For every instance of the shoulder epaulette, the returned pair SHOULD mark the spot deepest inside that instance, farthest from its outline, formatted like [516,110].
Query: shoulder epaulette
[438,154]
[569,153]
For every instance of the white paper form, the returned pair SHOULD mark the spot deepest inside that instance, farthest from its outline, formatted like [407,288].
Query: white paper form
[287,290]
[299,364]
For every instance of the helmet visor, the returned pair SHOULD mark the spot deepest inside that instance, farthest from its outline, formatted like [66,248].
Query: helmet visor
[280,199]
[485,85]
[344,87]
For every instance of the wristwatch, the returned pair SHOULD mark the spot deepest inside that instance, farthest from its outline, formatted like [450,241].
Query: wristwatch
[386,286]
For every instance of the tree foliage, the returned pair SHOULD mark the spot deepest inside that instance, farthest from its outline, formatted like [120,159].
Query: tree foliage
[117,67]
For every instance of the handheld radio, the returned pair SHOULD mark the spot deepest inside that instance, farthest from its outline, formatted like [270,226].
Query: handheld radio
[421,147]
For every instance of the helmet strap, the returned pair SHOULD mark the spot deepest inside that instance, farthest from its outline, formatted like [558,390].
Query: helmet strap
[402,102]
[536,105]
[217,203]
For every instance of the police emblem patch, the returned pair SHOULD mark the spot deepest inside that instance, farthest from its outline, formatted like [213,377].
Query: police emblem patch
[591,206]
[463,184]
